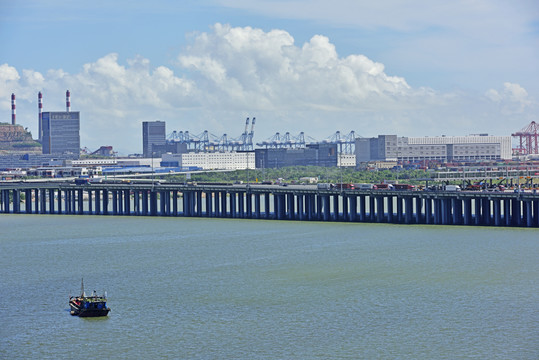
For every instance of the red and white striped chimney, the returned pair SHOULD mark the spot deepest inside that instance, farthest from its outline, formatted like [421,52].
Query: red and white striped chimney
[40,109]
[68,101]
[13,113]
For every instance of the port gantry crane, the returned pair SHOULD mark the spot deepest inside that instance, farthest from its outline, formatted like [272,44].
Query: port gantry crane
[209,142]
[345,145]
[284,142]
[528,139]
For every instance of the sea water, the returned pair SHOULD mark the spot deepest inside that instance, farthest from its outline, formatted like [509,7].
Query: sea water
[252,289]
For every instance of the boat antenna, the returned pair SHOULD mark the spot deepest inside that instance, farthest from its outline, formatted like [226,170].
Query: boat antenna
[82,286]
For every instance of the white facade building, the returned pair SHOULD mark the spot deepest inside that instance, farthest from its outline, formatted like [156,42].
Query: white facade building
[346,160]
[440,148]
[94,162]
[212,160]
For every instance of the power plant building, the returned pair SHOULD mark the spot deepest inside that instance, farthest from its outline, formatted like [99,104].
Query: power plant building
[442,149]
[61,132]
[153,136]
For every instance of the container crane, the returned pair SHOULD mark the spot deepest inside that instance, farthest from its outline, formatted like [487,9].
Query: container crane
[528,139]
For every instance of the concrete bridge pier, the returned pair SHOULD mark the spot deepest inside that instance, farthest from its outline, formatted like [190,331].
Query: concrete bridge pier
[144,205]
[345,208]
[300,198]
[515,212]
[380,215]
[428,211]
[467,220]
[80,202]
[198,203]
[309,207]
[507,212]
[208,198]
[535,213]
[389,207]
[485,211]
[114,202]
[136,203]
[249,205]
[400,210]
[105,202]
[418,210]
[217,203]
[353,208]
[497,212]
[28,201]
[267,205]
[408,210]
[16,201]
[529,214]
[98,207]
[224,204]
[162,199]
[257,205]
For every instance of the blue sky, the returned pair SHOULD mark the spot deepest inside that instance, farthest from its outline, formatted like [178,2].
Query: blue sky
[422,68]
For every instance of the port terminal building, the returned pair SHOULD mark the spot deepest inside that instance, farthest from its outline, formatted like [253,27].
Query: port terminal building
[229,160]
[441,148]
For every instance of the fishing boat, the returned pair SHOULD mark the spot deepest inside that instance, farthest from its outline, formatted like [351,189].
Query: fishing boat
[88,306]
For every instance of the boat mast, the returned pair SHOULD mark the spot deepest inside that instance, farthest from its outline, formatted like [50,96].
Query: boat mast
[82,287]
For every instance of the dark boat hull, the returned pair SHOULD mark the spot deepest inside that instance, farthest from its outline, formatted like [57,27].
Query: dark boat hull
[92,310]
[90,313]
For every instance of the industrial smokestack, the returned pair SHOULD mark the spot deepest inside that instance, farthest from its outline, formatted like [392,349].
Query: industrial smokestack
[68,101]
[40,109]
[13,113]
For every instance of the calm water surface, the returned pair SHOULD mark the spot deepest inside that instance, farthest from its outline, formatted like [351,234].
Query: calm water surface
[240,289]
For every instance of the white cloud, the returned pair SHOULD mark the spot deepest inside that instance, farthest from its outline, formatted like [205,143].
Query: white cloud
[252,69]
[513,99]
[8,73]
[450,44]
[233,72]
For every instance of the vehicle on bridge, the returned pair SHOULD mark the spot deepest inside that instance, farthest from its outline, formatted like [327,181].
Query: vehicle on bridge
[367,187]
[82,181]
[325,186]
[404,187]
[384,186]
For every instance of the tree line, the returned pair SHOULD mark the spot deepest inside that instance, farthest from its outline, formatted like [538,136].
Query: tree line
[295,173]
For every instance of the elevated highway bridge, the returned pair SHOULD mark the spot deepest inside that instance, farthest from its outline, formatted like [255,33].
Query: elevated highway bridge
[272,202]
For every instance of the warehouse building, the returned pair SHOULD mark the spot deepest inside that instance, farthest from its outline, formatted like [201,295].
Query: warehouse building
[443,149]
[211,160]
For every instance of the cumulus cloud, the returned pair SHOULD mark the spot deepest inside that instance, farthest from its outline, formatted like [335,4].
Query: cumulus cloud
[233,72]
[251,68]
[513,98]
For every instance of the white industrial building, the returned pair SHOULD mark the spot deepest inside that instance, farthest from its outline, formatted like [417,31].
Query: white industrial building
[346,160]
[211,160]
[440,148]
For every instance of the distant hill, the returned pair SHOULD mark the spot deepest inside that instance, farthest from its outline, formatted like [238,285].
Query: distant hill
[15,138]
